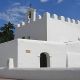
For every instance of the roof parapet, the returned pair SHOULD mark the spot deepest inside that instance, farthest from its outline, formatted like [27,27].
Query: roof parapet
[23,23]
[55,16]
[78,21]
[46,15]
[62,18]
[73,20]
[69,20]
[39,17]
[18,25]
[52,16]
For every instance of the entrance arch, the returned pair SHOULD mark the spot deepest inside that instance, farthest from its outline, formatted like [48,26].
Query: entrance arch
[44,60]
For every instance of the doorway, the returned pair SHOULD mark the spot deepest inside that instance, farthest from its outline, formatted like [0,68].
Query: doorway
[44,60]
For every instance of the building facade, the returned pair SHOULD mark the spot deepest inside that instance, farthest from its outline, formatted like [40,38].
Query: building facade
[48,27]
[48,41]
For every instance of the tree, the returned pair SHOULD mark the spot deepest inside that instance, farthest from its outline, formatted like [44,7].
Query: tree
[7,32]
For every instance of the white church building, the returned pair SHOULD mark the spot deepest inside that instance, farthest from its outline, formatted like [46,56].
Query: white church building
[47,41]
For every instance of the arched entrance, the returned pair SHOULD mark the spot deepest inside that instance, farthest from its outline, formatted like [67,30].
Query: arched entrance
[44,60]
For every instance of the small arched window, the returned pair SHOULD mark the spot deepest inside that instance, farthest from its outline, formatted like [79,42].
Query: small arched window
[29,14]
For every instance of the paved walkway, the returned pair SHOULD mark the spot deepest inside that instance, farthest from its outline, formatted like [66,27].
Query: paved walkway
[5,79]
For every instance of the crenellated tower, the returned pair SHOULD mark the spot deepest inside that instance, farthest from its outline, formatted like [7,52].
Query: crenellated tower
[48,27]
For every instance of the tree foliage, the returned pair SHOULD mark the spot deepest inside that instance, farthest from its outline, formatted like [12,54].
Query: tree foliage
[7,32]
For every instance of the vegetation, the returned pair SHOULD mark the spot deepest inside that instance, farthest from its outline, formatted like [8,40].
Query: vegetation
[7,32]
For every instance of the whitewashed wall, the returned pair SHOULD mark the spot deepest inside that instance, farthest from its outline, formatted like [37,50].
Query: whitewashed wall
[32,60]
[73,53]
[62,31]
[8,50]
[62,55]
[37,30]
[50,29]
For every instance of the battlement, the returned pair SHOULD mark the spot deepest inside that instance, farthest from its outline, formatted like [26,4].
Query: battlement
[47,15]
[62,18]
[21,24]
[56,17]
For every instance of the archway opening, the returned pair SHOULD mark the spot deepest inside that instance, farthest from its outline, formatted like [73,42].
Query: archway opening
[44,60]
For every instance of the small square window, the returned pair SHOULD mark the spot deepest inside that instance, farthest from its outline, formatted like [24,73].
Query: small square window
[28,51]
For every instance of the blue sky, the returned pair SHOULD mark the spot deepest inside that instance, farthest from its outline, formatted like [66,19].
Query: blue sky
[15,10]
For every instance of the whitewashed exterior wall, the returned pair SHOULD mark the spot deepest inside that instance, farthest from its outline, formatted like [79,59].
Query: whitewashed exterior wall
[62,55]
[50,29]
[32,60]
[73,52]
[62,31]
[37,30]
[8,50]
